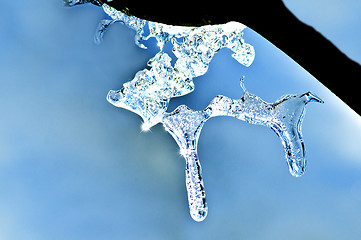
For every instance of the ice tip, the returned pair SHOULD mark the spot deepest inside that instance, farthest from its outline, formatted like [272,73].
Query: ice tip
[310,97]
[241,83]
[297,173]
[199,215]
[98,39]
[113,96]
[297,168]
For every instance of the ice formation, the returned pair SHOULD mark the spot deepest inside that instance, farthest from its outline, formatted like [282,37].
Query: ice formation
[148,94]
[284,117]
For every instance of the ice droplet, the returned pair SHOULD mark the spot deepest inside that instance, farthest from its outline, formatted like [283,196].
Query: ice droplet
[150,91]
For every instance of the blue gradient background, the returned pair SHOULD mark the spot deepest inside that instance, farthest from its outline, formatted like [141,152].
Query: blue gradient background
[72,166]
[337,20]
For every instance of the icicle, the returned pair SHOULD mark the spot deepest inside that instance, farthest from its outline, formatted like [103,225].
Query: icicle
[185,125]
[283,116]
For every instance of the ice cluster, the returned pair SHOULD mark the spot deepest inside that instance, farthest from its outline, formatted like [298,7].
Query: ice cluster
[150,91]
[148,94]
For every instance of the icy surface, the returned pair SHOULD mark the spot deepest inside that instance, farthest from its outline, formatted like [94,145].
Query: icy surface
[149,92]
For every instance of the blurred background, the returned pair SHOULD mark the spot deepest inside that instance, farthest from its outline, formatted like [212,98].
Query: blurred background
[337,20]
[73,166]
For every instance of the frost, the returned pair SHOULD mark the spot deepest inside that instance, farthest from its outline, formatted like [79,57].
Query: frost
[149,92]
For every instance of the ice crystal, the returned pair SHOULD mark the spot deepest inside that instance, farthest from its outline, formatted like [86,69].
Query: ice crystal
[149,92]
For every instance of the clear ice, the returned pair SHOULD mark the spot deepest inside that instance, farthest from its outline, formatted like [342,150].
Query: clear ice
[284,117]
[149,93]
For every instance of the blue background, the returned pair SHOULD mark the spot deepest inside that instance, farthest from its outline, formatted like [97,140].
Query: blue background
[72,166]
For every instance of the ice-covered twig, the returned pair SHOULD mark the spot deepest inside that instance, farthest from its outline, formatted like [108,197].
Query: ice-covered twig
[155,87]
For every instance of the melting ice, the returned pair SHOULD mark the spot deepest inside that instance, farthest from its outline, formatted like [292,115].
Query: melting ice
[149,93]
